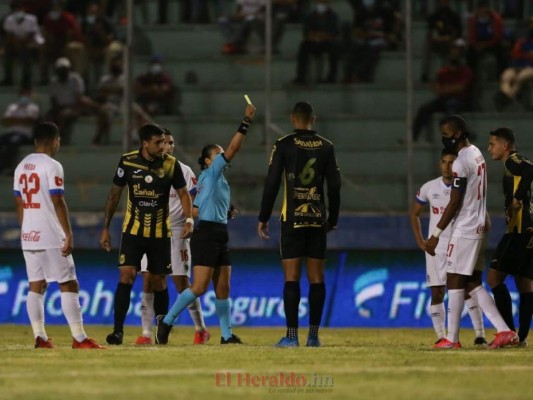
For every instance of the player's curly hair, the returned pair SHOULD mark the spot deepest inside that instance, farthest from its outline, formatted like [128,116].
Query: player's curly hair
[206,153]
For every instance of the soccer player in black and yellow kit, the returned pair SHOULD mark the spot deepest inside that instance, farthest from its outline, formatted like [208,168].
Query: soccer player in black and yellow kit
[514,254]
[303,160]
[149,174]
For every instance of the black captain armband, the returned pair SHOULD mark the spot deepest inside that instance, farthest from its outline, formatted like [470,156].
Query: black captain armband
[459,184]
[245,124]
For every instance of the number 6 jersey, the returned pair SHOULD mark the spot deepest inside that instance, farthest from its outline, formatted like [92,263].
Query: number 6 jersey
[304,160]
[38,177]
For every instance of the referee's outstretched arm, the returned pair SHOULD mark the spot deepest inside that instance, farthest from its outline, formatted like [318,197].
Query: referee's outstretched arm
[238,138]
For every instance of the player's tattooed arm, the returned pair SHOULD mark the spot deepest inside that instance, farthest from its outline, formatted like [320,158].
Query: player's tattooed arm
[113,198]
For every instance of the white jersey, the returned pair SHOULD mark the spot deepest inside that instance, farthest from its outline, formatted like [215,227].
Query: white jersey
[38,177]
[177,218]
[437,194]
[470,220]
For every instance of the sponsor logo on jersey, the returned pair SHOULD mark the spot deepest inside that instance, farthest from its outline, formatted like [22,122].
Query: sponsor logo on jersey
[122,258]
[59,181]
[148,179]
[138,191]
[32,236]
[308,144]
[152,203]
[120,172]
[137,171]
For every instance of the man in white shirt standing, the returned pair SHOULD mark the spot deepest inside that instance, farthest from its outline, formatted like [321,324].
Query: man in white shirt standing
[23,36]
[467,209]
[436,194]
[155,299]
[46,237]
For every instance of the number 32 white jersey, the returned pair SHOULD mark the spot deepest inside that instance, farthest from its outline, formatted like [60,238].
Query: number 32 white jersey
[38,177]
[470,220]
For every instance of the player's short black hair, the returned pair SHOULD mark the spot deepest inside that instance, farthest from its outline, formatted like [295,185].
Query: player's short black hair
[448,152]
[148,130]
[504,133]
[167,131]
[303,110]
[45,132]
[206,152]
[457,122]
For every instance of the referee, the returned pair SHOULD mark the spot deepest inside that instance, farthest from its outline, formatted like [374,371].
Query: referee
[304,160]
[209,242]
[149,174]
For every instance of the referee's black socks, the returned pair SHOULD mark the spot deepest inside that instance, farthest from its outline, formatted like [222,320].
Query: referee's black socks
[291,300]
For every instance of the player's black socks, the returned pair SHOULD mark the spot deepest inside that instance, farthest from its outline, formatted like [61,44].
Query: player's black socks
[291,300]
[122,304]
[503,301]
[161,302]
[317,297]
[525,312]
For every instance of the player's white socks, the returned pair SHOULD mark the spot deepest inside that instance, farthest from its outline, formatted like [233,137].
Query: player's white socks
[438,317]
[35,310]
[456,302]
[195,310]
[476,315]
[70,304]
[483,299]
[147,314]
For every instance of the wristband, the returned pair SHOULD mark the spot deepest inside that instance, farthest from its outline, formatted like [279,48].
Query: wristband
[243,128]
[247,120]
[437,232]
[189,221]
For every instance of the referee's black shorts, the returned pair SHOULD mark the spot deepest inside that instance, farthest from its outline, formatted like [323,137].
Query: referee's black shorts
[209,245]
[303,242]
[157,250]
[514,255]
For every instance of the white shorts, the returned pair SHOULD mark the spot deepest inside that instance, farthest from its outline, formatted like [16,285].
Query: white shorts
[180,257]
[49,265]
[436,267]
[465,256]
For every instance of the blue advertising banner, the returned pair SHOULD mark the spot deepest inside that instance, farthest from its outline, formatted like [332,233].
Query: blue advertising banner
[364,289]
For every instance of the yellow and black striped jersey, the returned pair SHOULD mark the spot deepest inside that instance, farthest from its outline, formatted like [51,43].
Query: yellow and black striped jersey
[149,183]
[304,160]
[517,183]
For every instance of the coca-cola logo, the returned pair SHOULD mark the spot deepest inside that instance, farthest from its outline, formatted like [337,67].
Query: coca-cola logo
[32,236]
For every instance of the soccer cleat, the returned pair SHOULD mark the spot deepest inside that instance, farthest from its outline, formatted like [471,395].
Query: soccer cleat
[522,344]
[287,342]
[444,343]
[162,330]
[201,337]
[40,343]
[233,339]
[87,343]
[480,341]
[115,338]
[143,340]
[503,339]
[313,341]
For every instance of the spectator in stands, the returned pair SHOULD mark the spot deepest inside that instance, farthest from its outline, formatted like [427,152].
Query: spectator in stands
[249,17]
[19,119]
[100,41]
[376,27]
[453,89]
[321,33]
[39,8]
[67,98]
[444,28]
[63,38]
[518,74]
[485,36]
[109,102]
[155,91]
[22,37]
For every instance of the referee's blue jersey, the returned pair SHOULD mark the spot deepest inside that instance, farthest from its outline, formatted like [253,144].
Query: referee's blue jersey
[213,193]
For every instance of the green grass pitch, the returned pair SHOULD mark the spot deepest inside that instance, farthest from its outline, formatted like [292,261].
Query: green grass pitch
[354,364]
